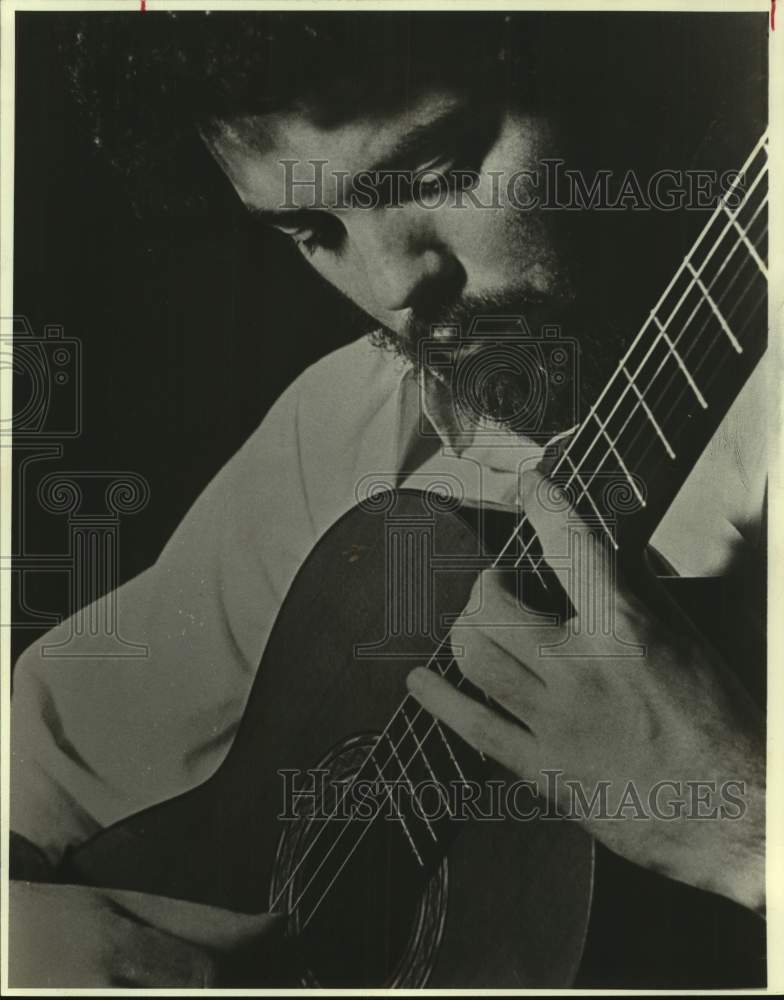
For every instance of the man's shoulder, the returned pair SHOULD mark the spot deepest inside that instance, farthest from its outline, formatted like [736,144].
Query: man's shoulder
[350,382]
[338,416]
[336,400]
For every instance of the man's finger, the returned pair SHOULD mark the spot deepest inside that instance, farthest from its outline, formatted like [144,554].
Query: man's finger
[152,958]
[581,555]
[501,676]
[478,725]
[492,600]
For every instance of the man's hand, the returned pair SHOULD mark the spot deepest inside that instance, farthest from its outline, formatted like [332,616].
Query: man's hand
[78,937]
[668,714]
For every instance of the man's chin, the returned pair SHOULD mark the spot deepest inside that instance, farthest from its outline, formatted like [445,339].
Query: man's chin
[480,389]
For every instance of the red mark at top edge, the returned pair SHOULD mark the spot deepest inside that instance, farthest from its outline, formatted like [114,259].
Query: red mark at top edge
[143,6]
[772,15]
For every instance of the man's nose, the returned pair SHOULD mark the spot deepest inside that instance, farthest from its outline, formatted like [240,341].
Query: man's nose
[406,265]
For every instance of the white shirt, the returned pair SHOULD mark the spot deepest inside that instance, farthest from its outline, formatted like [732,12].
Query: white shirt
[96,737]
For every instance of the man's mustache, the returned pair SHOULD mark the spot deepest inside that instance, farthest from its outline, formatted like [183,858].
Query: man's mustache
[478,317]
[591,322]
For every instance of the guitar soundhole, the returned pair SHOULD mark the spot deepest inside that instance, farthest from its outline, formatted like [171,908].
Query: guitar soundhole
[361,910]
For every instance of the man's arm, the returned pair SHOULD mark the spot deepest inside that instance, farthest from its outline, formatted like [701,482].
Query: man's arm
[96,738]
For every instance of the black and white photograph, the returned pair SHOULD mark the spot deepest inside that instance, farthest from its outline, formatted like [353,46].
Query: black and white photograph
[390,415]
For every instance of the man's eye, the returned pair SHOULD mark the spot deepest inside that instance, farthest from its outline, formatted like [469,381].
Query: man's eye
[326,234]
[448,175]
[448,172]
[460,164]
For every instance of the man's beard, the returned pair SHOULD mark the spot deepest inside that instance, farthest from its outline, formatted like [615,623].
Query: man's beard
[538,378]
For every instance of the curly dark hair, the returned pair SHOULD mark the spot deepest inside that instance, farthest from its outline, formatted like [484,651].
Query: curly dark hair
[146,83]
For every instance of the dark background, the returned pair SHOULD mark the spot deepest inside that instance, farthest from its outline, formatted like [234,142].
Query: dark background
[191,325]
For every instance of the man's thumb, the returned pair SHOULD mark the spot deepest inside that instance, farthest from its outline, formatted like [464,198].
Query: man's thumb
[202,925]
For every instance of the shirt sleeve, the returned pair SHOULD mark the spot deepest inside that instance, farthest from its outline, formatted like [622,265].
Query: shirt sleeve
[96,737]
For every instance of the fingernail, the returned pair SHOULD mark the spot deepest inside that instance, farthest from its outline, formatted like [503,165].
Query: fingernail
[416,680]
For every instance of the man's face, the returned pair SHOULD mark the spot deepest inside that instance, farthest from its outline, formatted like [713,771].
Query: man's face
[411,262]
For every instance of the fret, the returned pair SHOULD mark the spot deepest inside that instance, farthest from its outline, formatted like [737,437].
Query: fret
[652,322]
[400,816]
[687,265]
[738,298]
[733,220]
[703,355]
[716,311]
[729,219]
[586,493]
[524,528]
[649,413]
[404,773]
[680,362]
[715,217]
[741,242]
[426,759]
[448,746]
[614,451]
[717,275]
[450,672]
[747,243]
[722,208]
[641,404]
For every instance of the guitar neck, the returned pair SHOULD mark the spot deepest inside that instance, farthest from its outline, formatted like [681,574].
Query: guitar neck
[629,457]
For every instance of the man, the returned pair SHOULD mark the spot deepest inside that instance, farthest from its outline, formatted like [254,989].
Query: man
[96,740]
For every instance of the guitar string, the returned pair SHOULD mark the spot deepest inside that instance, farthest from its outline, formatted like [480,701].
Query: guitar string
[435,724]
[403,770]
[703,300]
[632,384]
[584,486]
[439,648]
[419,741]
[647,448]
[409,723]
[641,400]
[403,773]
[761,146]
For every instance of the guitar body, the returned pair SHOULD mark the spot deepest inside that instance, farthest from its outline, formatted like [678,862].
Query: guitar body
[507,904]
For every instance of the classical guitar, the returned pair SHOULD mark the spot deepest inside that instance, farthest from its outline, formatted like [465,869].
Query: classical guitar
[377,888]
